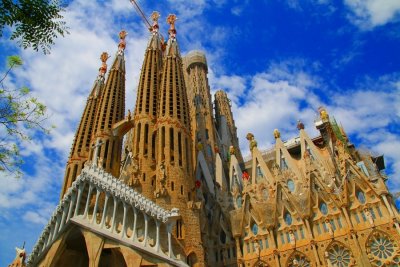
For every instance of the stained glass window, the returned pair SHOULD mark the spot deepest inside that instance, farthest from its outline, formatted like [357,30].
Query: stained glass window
[291,185]
[361,197]
[339,256]
[323,208]
[288,218]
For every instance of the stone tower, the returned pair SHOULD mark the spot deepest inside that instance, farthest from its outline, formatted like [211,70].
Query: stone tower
[111,109]
[145,116]
[223,112]
[175,179]
[201,111]
[81,146]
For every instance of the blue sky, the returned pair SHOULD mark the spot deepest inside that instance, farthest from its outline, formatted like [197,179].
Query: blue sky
[279,60]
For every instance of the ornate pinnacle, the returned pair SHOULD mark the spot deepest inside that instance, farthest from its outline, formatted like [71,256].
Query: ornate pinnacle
[171,21]
[253,142]
[122,43]
[103,69]
[277,134]
[300,125]
[154,17]
[323,114]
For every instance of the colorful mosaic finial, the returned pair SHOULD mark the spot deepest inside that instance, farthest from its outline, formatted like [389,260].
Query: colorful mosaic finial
[122,42]
[171,21]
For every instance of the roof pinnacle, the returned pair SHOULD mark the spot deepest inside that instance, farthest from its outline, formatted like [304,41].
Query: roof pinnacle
[122,42]
[103,69]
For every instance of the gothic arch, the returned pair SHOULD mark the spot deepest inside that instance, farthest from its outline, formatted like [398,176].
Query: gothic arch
[382,249]
[337,254]
[298,259]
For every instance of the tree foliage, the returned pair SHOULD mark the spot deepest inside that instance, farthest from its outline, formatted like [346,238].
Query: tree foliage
[19,113]
[36,23]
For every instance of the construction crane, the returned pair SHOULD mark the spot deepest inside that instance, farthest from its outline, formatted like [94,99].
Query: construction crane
[141,14]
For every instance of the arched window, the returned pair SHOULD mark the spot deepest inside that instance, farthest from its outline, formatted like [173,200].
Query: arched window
[291,185]
[254,228]
[323,208]
[288,218]
[361,196]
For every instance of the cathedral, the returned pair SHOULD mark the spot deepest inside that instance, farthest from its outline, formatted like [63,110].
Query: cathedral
[167,185]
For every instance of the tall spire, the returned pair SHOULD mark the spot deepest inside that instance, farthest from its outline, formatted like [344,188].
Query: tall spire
[200,104]
[143,144]
[81,145]
[223,115]
[175,185]
[111,109]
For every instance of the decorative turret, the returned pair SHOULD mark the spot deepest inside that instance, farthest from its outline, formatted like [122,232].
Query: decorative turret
[106,148]
[81,146]
[144,134]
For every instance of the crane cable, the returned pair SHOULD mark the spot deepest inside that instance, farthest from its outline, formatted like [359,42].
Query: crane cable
[141,13]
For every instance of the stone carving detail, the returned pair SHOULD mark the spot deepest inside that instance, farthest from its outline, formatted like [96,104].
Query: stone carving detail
[161,190]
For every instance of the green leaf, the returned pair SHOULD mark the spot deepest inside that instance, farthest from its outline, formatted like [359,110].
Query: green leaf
[24,90]
[14,61]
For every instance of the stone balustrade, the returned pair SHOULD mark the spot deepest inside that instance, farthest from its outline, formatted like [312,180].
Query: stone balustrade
[133,220]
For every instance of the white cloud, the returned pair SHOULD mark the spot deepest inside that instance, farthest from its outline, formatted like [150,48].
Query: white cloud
[34,217]
[371,13]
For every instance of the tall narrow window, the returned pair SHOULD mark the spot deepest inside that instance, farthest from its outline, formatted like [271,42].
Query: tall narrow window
[180,148]
[153,145]
[171,144]
[138,137]
[163,143]
[146,138]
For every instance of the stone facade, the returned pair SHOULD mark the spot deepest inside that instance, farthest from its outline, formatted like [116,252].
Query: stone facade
[168,186]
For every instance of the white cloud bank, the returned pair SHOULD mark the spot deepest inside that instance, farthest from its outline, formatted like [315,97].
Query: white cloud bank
[371,13]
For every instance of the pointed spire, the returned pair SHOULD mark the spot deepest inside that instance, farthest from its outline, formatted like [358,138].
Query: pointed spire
[110,110]
[81,145]
[156,40]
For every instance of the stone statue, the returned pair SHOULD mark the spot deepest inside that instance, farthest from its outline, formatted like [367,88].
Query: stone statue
[329,226]
[253,142]
[369,217]
[162,179]
[19,260]
[292,238]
